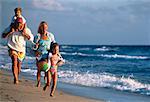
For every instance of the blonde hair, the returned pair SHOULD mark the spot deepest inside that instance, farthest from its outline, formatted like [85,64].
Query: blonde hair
[41,27]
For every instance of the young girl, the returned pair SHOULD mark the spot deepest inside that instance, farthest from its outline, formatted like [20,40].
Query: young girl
[18,13]
[56,60]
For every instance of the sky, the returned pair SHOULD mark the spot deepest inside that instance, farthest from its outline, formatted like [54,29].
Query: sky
[85,22]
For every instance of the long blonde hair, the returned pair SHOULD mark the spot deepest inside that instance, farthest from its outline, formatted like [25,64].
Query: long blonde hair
[41,27]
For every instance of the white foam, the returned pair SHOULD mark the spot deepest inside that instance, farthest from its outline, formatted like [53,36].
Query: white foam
[95,80]
[30,71]
[6,66]
[84,49]
[4,52]
[3,47]
[64,53]
[103,80]
[81,54]
[75,53]
[65,46]
[25,70]
[124,56]
[102,49]
[107,55]
[30,58]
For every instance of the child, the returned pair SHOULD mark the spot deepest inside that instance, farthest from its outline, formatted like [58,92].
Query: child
[56,60]
[9,29]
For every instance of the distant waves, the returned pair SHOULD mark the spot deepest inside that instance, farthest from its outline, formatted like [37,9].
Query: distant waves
[107,55]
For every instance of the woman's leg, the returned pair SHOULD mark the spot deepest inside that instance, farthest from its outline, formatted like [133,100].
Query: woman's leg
[45,77]
[15,68]
[38,78]
[54,76]
[48,75]
[38,74]
[48,80]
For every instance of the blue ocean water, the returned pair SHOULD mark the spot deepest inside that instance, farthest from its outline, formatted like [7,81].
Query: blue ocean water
[123,68]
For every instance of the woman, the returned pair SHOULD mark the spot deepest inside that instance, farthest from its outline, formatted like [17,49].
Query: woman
[43,42]
[17,46]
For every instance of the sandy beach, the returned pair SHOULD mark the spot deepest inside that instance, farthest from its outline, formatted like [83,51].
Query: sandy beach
[26,91]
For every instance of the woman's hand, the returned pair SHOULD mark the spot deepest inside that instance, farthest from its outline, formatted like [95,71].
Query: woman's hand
[37,54]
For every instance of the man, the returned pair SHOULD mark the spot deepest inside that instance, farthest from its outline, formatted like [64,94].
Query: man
[17,45]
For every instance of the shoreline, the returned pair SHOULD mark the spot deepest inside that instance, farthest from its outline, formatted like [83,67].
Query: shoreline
[26,91]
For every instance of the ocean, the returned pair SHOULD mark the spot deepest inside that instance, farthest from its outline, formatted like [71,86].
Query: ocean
[99,69]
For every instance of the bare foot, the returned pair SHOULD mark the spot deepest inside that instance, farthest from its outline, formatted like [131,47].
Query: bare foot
[16,82]
[52,95]
[45,87]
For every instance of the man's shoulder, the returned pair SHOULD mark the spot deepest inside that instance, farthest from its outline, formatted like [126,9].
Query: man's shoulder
[28,30]
[24,20]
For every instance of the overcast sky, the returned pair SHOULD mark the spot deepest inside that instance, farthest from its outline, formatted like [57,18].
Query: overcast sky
[100,22]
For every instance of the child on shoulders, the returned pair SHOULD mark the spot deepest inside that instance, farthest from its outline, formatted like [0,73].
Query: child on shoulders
[18,13]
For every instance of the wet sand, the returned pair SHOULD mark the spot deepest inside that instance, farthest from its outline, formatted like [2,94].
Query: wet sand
[26,91]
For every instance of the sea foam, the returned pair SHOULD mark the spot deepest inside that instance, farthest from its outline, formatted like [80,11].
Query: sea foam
[104,80]
[107,55]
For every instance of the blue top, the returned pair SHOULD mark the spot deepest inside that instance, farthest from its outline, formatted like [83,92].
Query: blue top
[44,45]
